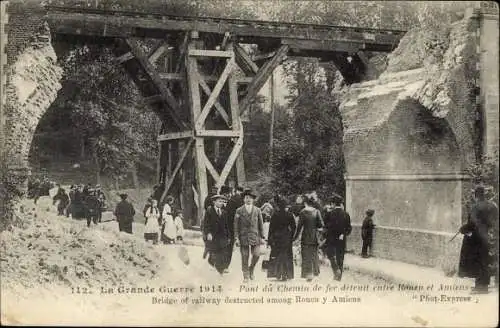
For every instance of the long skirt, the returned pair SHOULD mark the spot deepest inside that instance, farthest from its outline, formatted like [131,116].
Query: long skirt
[218,258]
[281,262]
[310,261]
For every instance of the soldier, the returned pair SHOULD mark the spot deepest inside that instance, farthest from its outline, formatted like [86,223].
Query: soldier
[124,213]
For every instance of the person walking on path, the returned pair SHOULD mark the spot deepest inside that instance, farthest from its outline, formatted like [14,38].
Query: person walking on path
[63,199]
[167,219]
[152,224]
[310,223]
[179,226]
[281,232]
[124,213]
[235,202]
[477,256]
[93,207]
[249,233]
[337,228]
[367,234]
[216,230]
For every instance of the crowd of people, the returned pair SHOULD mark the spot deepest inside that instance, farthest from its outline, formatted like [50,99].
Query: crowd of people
[161,224]
[232,218]
[81,202]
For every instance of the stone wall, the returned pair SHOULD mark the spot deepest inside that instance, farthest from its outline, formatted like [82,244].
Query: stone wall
[33,77]
[408,138]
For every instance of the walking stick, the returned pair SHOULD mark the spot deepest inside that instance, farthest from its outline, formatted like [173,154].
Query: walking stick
[454,237]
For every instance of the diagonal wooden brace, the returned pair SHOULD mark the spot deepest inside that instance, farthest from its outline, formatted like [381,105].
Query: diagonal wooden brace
[244,61]
[218,106]
[168,183]
[215,93]
[231,160]
[262,76]
[156,79]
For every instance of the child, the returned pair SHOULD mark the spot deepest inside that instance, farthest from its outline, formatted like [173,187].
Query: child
[152,226]
[367,233]
[179,225]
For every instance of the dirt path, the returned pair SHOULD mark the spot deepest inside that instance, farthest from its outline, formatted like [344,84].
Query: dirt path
[113,296]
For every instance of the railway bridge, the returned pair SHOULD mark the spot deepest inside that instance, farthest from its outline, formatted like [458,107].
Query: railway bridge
[408,135]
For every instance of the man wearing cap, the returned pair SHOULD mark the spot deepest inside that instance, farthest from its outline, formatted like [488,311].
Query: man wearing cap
[249,233]
[367,233]
[124,213]
[235,202]
[216,231]
[338,227]
[481,233]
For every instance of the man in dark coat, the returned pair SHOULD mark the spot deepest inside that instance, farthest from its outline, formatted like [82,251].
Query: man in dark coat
[235,202]
[124,213]
[480,233]
[217,234]
[367,233]
[93,207]
[338,227]
[63,199]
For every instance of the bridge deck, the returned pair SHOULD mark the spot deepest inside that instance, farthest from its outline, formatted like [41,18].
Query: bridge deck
[107,23]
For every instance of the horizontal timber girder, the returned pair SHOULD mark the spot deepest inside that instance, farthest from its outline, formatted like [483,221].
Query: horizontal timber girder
[109,23]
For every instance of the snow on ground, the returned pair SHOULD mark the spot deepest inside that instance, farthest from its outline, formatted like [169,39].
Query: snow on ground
[36,287]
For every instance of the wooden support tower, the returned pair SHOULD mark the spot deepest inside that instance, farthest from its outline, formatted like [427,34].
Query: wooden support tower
[208,79]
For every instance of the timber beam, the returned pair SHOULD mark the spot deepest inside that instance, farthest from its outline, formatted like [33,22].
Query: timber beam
[175,135]
[165,93]
[207,78]
[262,76]
[112,23]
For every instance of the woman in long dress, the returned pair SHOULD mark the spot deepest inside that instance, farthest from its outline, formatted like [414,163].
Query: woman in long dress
[281,231]
[310,222]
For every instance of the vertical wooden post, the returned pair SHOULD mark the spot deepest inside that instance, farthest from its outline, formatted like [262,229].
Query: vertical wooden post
[271,132]
[199,147]
[236,125]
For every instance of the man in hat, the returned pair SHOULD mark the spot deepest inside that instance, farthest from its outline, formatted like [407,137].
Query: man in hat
[338,227]
[93,207]
[367,233]
[235,202]
[217,233]
[249,233]
[481,231]
[124,213]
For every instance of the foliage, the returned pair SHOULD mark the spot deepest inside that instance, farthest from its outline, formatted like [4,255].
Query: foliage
[100,104]
[308,149]
[257,129]
[486,173]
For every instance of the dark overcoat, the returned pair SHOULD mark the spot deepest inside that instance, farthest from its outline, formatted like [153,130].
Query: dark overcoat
[218,227]
[124,211]
[480,249]
[281,232]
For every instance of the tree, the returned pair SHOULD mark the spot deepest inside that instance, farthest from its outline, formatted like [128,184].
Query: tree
[308,149]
